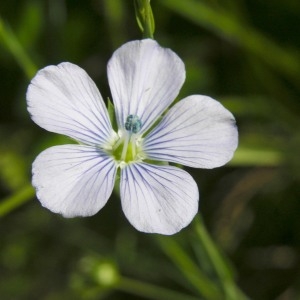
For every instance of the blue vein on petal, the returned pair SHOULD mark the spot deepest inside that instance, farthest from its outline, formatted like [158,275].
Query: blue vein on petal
[67,131]
[80,126]
[104,163]
[104,122]
[149,170]
[166,122]
[149,115]
[96,175]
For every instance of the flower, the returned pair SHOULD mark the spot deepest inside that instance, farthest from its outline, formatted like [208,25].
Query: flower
[144,78]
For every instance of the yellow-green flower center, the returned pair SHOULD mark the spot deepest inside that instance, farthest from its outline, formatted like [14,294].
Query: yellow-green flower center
[124,151]
[128,148]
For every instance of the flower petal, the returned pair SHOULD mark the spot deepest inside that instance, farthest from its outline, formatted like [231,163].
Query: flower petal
[144,79]
[158,199]
[73,180]
[197,132]
[64,99]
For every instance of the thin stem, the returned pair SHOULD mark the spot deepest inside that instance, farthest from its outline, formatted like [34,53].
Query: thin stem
[150,291]
[16,200]
[202,283]
[10,41]
[230,289]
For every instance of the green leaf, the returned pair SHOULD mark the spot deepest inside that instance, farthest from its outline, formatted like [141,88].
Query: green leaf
[227,25]
[218,262]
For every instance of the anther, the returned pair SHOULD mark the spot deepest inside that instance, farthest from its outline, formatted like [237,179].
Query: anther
[133,124]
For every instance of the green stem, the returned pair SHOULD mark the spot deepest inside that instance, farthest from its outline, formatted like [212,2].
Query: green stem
[219,264]
[150,291]
[190,270]
[17,199]
[10,41]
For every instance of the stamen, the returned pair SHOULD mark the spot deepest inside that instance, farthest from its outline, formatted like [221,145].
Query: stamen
[118,143]
[133,124]
[125,146]
[133,144]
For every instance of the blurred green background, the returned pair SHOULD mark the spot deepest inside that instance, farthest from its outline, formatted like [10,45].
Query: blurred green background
[245,53]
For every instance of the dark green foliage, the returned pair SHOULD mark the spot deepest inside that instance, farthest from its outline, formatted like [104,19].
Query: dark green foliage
[243,53]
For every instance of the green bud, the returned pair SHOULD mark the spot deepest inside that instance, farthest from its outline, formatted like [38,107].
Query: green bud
[144,17]
[106,274]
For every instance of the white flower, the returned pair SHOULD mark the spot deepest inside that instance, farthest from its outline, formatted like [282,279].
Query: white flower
[144,78]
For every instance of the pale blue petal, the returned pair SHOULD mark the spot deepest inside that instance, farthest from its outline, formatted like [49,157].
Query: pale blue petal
[158,199]
[144,79]
[197,132]
[73,180]
[64,99]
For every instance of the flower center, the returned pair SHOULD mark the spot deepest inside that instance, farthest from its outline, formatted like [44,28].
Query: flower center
[128,147]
